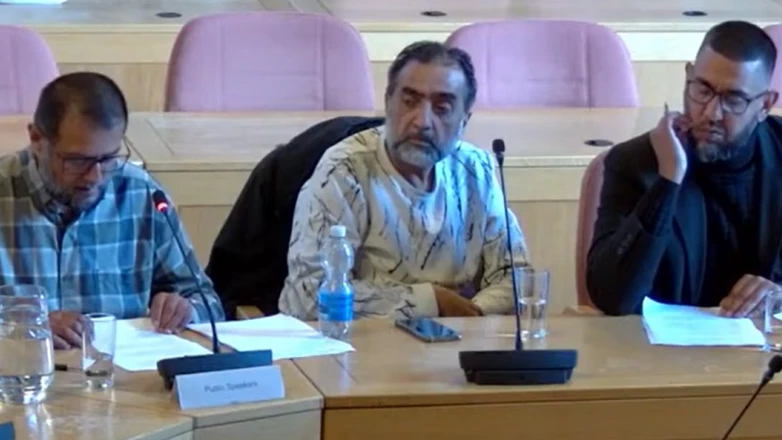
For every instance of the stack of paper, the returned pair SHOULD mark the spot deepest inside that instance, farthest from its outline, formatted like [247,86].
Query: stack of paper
[285,336]
[686,325]
[140,347]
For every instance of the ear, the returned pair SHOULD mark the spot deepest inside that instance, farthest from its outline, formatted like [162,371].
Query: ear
[37,139]
[688,69]
[768,104]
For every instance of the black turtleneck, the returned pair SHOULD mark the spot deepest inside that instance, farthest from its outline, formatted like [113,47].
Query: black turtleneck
[731,247]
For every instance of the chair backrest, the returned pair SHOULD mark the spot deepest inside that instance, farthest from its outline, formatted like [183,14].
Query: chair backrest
[548,63]
[588,203]
[775,32]
[26,66]
[249,260]
[275,61]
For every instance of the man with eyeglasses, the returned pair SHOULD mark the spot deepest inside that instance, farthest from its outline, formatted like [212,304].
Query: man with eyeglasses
[77,219]
[691,212]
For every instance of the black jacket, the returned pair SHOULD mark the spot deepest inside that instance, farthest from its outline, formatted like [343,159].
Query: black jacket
[627,263]
[248,262]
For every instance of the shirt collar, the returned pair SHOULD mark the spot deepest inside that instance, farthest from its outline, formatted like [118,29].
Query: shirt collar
[52,208]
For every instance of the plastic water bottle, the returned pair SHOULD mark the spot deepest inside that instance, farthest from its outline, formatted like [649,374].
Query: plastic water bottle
[335,297]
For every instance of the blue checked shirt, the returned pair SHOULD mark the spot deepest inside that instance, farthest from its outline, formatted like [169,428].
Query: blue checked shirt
[110,259]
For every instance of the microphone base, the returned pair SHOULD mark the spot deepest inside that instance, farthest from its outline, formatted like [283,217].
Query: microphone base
[169,369]
[518,367]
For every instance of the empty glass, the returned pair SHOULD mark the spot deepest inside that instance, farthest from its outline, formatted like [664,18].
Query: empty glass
[533,299]
[772,321]
[26,349]
[99,342]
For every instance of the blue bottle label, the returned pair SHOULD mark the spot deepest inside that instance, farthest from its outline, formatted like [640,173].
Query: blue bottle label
[336,306]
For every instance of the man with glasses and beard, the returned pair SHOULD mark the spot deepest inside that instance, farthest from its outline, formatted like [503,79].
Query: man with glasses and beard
[78,220]
[691,212]
[422,208]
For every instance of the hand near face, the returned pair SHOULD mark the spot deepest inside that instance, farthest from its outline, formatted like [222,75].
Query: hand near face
[746,297]
[668,143]
[170,313]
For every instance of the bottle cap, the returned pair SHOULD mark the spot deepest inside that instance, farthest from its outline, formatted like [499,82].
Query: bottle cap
[338,231]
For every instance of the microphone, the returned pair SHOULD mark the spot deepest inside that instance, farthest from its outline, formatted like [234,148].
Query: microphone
[774,367]
[217,361]
[498,146]
[516,367]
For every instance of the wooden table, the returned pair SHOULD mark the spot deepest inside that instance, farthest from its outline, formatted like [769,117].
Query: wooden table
[204,160]
[130,42]
[139,408]
[67,417]
[623,388]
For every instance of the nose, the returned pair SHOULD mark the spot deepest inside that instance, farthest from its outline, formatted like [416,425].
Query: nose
[423,116]
[94,174]
[713,109]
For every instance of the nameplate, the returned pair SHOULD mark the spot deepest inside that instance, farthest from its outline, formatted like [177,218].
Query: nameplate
[228,387]
[7,431]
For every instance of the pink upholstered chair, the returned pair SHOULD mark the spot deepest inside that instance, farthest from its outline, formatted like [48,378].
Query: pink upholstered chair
[775,32]
[542,63]
[255,61]
[26,66]
[587,215]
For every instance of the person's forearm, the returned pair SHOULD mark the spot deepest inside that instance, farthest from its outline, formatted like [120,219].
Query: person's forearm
[655,210]
[622,265]
[496,299]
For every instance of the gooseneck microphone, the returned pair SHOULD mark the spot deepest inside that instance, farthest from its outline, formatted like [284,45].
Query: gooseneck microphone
[498,146]
[774,367]
[162,206]
[217,361]
[519,366]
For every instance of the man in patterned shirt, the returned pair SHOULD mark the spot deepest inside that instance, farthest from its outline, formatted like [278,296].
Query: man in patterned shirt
[422,208]
[79,221]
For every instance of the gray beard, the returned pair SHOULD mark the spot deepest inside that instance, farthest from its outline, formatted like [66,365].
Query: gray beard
[722,152]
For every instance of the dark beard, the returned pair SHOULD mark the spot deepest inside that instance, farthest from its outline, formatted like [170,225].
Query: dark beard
[723,151]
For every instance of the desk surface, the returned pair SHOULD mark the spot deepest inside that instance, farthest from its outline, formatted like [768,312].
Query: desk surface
[68,417]
[139,407]
[399,15]
[390,368]
[233,142]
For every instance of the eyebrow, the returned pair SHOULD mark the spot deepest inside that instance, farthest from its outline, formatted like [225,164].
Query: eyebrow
[441,95]
[738,92]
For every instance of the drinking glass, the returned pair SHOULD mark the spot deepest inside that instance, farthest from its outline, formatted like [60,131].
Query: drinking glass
[99,344]
[772,321]
[533,299]
[26,348]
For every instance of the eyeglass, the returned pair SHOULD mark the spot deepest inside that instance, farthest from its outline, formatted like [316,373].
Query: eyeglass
[732,102]
[80,165]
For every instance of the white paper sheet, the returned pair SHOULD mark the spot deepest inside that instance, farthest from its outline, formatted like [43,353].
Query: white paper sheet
[140,347]
[689,326]
[285,336]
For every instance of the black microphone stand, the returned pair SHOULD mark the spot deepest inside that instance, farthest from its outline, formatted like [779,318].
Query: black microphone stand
[516,367]
[170,368]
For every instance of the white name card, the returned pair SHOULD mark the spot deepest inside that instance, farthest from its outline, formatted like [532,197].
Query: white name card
[220,388]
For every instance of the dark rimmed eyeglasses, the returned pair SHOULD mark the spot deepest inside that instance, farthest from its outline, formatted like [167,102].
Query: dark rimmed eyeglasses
[79,165]
[731,102]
